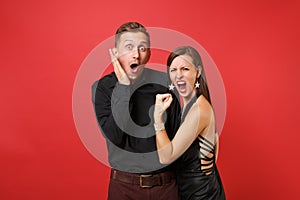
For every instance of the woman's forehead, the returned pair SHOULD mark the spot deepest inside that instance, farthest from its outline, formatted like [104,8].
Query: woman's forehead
[182,60]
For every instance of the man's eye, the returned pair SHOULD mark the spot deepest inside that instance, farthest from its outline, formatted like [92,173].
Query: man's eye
[142,48]
[186,69]
[129,46]
[172,70]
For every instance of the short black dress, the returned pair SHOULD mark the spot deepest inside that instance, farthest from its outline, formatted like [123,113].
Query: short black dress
[197,174]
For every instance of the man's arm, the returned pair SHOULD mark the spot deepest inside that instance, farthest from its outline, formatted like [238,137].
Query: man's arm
[103,108]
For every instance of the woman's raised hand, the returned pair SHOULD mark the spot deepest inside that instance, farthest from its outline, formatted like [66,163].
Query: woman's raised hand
[162,103]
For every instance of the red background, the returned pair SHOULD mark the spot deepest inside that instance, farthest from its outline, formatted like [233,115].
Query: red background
[255,45]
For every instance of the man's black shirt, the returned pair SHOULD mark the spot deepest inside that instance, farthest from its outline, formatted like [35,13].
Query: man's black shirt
[125,115]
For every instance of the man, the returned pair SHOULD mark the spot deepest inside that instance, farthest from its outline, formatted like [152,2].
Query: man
[123,102]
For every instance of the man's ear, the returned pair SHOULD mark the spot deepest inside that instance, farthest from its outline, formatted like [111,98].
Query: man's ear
[149,54]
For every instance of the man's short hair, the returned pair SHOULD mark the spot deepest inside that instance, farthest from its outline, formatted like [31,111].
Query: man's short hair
[131,27]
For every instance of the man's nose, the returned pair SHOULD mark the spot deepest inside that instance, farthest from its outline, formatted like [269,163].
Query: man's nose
[136,53]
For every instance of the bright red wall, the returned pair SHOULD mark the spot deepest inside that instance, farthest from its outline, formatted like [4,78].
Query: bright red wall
[255,45]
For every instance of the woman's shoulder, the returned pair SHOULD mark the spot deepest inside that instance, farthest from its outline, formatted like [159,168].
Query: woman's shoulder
[201,112]
[203,104]
[201,109]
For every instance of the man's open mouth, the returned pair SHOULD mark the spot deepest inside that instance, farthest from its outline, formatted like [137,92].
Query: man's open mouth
[133,66]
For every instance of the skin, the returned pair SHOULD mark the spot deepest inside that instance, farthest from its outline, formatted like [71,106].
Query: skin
[182,70]
[199,120]
[132,48]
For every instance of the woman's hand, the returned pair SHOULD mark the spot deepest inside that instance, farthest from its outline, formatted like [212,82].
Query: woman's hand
[162,103]
[120,73]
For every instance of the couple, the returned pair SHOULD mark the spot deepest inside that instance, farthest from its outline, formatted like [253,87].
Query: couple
[189,142]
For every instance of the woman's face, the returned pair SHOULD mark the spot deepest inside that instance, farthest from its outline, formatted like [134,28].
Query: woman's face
[183,75]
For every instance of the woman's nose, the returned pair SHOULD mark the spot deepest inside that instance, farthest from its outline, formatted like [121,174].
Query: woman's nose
[178,74]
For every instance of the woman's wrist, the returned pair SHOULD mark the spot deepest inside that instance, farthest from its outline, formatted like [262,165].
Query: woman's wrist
[158,119]
[159,126]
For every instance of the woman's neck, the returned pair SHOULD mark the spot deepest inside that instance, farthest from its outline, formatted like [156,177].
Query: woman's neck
[186,100]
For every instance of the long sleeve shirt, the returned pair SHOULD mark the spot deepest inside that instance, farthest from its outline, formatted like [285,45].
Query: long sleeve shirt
[125,116]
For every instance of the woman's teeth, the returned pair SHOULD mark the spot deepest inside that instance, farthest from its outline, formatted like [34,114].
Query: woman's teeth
[181,83]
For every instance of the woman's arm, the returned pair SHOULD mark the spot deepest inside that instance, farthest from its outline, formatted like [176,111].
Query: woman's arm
[216,146]
[196,121]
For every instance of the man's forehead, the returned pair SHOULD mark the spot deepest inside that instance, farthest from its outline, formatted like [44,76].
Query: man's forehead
[134,37]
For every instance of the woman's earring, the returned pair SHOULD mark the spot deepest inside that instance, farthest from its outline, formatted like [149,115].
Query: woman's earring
[171,86]
[197,84]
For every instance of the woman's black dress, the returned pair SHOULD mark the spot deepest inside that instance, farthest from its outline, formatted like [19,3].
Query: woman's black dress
[196,181]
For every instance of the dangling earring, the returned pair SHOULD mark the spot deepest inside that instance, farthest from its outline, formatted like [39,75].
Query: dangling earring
[171,86]
[197,84]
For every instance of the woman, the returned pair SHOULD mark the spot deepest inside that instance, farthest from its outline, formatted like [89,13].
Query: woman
[196,139]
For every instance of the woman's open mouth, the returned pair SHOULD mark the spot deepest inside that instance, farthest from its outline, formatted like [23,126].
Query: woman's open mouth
[181,86]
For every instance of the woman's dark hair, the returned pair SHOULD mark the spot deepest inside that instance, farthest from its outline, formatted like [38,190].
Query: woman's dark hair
[197,61]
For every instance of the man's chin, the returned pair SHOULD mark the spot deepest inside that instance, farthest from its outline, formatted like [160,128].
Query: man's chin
[135,76]
[132,78]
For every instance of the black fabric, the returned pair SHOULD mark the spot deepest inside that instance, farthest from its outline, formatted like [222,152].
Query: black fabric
[194,183]
[138,100]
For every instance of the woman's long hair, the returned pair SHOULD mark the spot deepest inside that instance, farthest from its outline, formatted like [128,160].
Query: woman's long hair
[197,61]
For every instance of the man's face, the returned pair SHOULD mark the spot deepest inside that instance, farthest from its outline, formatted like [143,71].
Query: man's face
[133,53]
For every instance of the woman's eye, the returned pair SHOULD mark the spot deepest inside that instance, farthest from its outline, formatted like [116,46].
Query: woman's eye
[186,69]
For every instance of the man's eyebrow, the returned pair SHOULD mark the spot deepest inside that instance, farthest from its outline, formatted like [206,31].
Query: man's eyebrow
[128,40]
[144,42]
